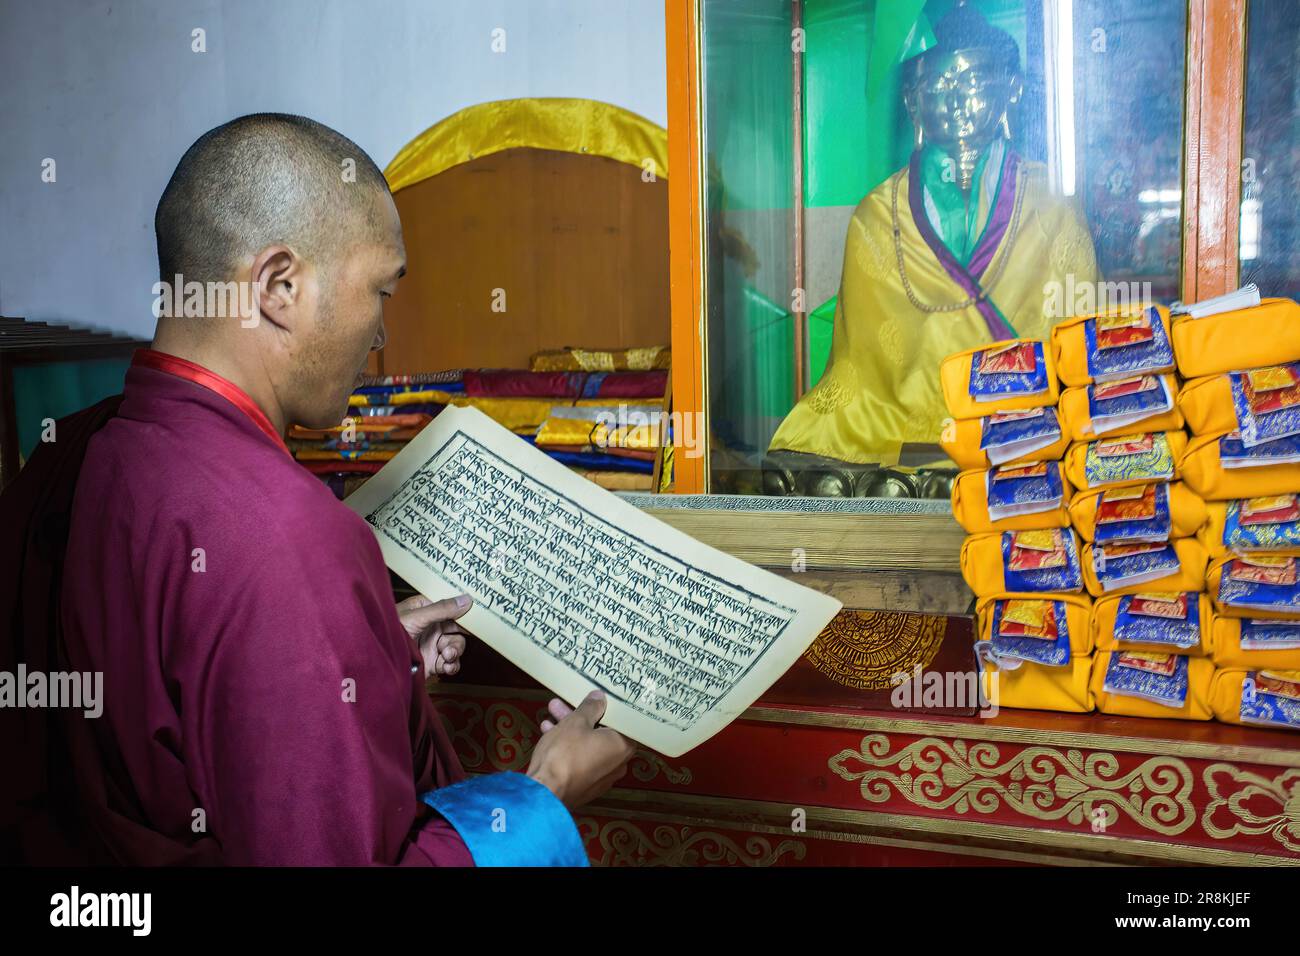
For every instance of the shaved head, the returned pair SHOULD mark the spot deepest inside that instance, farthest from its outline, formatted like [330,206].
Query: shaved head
[258,180]
[299,217]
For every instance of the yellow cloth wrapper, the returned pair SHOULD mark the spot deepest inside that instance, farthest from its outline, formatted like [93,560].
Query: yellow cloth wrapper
[1225,697]
[1227,650]
[1211,533]
[981,563]
[1078,616]
[1190,576]
[970,506]
[1186,511]
[1213,576]
[1076,419]
[1204,473]
[1105,610]
[1268,334]
[954,379]
[1206,404]
[1040,687]
[1076,455]
[960,441]
[1200,672]
[1070,347]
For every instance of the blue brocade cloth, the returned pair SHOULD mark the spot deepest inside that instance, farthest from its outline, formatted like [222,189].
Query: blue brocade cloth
[1127,360]
[508,819]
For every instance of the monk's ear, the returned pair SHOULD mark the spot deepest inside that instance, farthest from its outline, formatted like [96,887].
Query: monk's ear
[278,276]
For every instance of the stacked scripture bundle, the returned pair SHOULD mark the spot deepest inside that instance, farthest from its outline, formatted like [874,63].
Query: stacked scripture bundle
[1142,562]
[604,424]
[1021,559]
[1242,404]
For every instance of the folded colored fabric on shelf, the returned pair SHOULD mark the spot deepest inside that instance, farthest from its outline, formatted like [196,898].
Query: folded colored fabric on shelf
[510,383]
[413,378]
[601,360]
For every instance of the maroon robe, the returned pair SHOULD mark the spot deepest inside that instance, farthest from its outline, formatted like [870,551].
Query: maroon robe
[262,702]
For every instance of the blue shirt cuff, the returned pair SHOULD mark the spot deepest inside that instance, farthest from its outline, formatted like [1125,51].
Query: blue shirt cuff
[508,819]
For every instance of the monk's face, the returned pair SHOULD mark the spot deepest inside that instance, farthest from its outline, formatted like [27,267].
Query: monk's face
[349,318]
[958,99]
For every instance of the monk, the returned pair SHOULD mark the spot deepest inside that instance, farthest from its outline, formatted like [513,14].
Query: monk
[264,701]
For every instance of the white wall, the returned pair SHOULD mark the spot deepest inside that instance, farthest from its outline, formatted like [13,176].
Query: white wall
[111,90]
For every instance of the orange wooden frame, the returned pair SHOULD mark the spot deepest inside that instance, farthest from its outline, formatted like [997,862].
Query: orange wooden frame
[1215,81]
[686,235]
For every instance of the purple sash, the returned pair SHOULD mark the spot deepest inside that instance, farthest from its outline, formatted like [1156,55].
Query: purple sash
[968,277]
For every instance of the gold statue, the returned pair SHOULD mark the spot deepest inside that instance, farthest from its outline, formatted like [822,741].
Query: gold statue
[959,248]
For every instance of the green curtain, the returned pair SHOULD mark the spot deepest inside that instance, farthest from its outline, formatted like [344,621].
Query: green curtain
[60,388]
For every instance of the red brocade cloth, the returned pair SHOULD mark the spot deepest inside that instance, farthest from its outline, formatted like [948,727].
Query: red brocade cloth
[511,383]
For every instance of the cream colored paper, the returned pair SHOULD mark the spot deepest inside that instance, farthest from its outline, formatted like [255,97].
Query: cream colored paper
[582,590]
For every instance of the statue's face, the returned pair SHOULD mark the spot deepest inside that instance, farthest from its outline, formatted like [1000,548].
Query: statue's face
[961,97]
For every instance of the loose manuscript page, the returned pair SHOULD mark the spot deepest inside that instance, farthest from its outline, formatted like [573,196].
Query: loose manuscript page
[582,590]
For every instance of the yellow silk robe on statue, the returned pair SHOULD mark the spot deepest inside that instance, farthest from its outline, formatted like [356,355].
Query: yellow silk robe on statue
[881,385]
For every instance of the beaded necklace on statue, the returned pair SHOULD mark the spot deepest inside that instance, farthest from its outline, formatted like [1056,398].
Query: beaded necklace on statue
[1012,231]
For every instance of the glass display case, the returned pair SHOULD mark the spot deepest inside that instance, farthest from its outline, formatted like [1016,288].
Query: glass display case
[874,185]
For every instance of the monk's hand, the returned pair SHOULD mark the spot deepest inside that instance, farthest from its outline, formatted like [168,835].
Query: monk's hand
[432,625]
[575,759]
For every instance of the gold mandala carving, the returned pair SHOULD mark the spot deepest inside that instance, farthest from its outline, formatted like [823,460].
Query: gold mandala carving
[1042,783]
[625,844]
[864,649]
[1255,804]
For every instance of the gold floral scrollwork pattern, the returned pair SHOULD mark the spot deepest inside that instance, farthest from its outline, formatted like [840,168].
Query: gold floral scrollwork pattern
[1038,782]
[511,734]
[646,765]
[624,844]
[1253,804]
[468,715]
[864,649]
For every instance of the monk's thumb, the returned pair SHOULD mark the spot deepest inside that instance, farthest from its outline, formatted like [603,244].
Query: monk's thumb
[592,708]
[447,609]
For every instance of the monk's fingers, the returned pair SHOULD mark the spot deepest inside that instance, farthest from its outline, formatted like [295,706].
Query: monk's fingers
[451,646]
[446,668]
[547,726]
[559,709]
